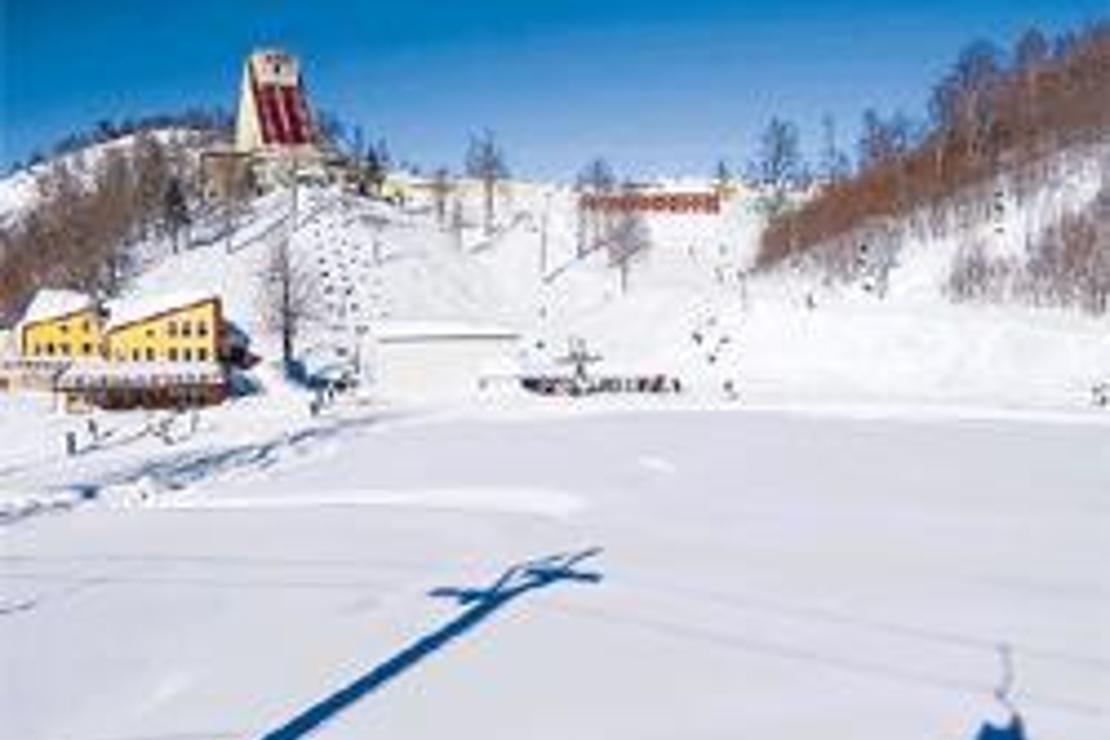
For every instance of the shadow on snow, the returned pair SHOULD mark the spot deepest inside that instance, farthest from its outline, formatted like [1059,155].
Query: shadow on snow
[480,603]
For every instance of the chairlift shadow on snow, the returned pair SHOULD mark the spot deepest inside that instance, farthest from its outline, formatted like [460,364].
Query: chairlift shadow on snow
[480,603]
[1014,728]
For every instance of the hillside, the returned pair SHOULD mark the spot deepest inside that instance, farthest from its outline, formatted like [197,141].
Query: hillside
[692,308]
[887,324]
[1011,168]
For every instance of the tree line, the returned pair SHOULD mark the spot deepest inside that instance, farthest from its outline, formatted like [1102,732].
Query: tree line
[216,122]
[991,113]
[89,210]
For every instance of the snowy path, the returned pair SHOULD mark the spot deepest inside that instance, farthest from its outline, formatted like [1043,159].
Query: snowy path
[789,575]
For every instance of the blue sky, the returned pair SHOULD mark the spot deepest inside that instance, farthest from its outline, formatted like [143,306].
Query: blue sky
[653,86]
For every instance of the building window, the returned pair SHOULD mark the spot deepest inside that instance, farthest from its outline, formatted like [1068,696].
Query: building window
[135,356]
[173,354]
[64,328]
[150,354]
[202,355]
[187,355]
[50,348]
[171,329]
[202,328]
[64,347]
[150,333]
[38,349]
[86,349]
[85,327]
[186,329]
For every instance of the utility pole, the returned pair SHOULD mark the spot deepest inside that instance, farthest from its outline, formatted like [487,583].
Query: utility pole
[286,277]
[543,234]
[293,204]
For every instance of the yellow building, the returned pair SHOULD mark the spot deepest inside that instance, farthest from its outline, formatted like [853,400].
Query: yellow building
[155,352]
[61,325]
[165,329]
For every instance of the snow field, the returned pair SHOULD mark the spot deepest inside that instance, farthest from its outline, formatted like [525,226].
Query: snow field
[783,573]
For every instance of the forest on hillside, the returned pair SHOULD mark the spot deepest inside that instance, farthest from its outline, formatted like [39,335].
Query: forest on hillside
[991,115]
[89,205]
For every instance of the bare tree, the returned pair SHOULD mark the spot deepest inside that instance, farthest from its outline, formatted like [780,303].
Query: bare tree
[486,162]
[779,167]
[628,238]
[1030,57]
[330,129]
[175,211]
[232,179]
[595,179]
[457,223]
[722,175]
[355,142]
[884,141]
[961,104]
[441,188]
[111,220]
[375,167]
[151,168]
[1032,50]
[834,162]
[289,297]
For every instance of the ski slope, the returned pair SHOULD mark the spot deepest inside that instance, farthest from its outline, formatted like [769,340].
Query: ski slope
[693,307]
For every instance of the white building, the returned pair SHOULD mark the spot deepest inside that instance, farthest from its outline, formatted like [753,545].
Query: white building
[276,137]
[437,360]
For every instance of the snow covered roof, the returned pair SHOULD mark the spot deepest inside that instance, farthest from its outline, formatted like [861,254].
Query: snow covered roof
[129,310]
[417,331]
[50,303]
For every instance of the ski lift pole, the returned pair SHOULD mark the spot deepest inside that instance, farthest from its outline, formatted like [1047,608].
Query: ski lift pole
[543,234]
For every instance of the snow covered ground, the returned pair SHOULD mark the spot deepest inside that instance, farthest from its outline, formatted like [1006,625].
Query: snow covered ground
[897,486]
[765,573]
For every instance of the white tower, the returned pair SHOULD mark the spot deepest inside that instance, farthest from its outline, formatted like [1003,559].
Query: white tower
[274,117]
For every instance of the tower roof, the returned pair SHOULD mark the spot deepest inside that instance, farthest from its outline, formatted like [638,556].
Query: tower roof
[278,99]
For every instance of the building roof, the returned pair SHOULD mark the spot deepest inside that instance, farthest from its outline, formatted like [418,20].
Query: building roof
[50,303]
[126,311]
[280,102]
